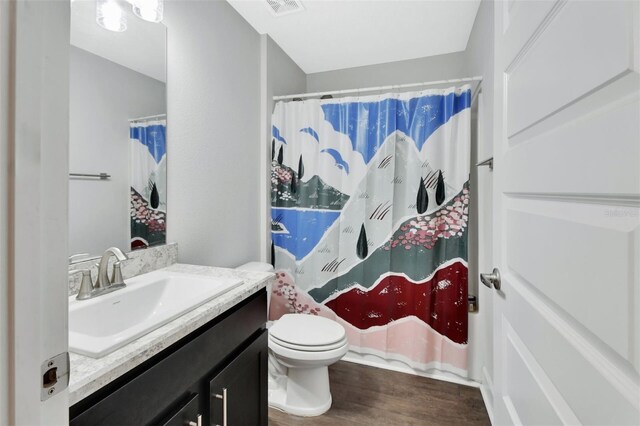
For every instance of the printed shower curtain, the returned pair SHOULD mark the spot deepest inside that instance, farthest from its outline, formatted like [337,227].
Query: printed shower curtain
[369,222]
[148,171]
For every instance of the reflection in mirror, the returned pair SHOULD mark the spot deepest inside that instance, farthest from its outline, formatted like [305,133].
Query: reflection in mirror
[117,131]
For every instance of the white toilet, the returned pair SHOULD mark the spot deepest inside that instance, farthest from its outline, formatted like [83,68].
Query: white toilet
[301,348]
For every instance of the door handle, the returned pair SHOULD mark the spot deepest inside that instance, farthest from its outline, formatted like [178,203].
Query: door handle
[223,397]
[492,280]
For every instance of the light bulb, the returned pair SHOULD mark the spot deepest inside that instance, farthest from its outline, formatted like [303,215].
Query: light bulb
[109,16]
[149,10]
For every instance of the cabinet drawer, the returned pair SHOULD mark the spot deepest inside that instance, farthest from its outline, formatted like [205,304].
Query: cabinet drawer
[148,392]
[238,393]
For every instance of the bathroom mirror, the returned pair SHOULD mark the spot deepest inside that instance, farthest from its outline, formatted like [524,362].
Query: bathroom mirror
[117,128]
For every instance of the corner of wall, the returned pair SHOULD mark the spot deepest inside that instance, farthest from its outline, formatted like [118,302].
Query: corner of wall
[479,60]
[266,92]
[6,39]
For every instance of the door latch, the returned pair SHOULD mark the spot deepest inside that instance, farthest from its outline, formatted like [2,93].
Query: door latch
[55,375]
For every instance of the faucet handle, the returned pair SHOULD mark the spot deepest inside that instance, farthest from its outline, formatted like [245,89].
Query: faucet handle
[86,285]
[116,275]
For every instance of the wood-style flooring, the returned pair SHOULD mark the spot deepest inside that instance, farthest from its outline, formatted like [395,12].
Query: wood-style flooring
[371,396]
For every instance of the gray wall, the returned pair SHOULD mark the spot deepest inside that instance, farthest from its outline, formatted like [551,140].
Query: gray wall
[480,61]
[103,96]
[283,77]
[440,67]
[479,56]
[6,34]
[213,133]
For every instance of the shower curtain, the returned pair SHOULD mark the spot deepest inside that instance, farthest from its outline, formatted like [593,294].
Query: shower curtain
[148,171]
[370,201]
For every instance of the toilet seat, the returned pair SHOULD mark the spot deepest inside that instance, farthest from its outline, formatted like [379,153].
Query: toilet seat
[308,348]
[325,357]
[307,332]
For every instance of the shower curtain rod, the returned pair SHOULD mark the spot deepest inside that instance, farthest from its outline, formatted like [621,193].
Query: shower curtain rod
[374,89]
[131,120]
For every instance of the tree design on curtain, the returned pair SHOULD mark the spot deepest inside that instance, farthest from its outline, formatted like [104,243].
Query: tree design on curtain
[422,200]
[280,155]
[440,189]
[300,168]
[362,248]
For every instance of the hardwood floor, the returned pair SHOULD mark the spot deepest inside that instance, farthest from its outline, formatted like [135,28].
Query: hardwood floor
[371,396]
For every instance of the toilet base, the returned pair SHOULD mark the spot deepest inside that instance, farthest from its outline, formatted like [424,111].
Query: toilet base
[303,392]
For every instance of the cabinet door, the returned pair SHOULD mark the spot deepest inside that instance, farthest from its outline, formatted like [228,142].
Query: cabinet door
[187,414]
[238,393]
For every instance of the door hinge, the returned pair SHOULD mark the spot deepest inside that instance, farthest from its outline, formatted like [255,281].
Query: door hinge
[55,375]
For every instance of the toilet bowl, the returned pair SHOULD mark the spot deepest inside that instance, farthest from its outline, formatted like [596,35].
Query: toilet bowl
[301,348]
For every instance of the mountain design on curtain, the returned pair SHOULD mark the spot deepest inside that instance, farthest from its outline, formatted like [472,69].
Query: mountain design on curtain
[148,202]
[369,221]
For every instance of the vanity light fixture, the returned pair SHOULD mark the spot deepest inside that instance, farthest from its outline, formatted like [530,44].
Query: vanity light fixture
[149,10]
[109,15]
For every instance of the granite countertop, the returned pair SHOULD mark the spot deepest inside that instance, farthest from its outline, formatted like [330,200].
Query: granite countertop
[90,374]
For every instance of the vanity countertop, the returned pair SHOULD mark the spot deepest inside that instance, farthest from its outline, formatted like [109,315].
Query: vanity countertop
[89,374]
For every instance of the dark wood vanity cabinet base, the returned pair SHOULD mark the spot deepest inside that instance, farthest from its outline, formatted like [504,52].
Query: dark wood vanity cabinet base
[223,363]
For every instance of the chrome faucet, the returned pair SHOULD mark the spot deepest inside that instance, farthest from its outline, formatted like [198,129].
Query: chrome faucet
[103,284]
[103,281]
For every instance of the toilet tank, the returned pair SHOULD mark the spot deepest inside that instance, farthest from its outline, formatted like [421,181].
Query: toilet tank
[256,266]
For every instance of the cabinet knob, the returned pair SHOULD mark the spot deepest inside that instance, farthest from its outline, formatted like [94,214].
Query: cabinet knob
[198,422]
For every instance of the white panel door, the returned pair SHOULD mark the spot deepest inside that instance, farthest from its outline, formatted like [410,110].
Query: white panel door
[36,92]
[566,203]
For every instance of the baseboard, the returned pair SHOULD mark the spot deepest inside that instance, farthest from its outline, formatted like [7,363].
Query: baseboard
[375,361]
[486,390]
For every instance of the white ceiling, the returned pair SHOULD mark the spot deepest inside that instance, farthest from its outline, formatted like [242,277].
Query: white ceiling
[142,47]
[331,34]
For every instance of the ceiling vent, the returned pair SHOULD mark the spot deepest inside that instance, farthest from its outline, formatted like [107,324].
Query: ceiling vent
[284,7]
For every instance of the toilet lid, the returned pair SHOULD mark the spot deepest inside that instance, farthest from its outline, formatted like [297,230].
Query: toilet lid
[307,330]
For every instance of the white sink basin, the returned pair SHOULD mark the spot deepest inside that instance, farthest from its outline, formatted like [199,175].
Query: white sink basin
[101,325]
